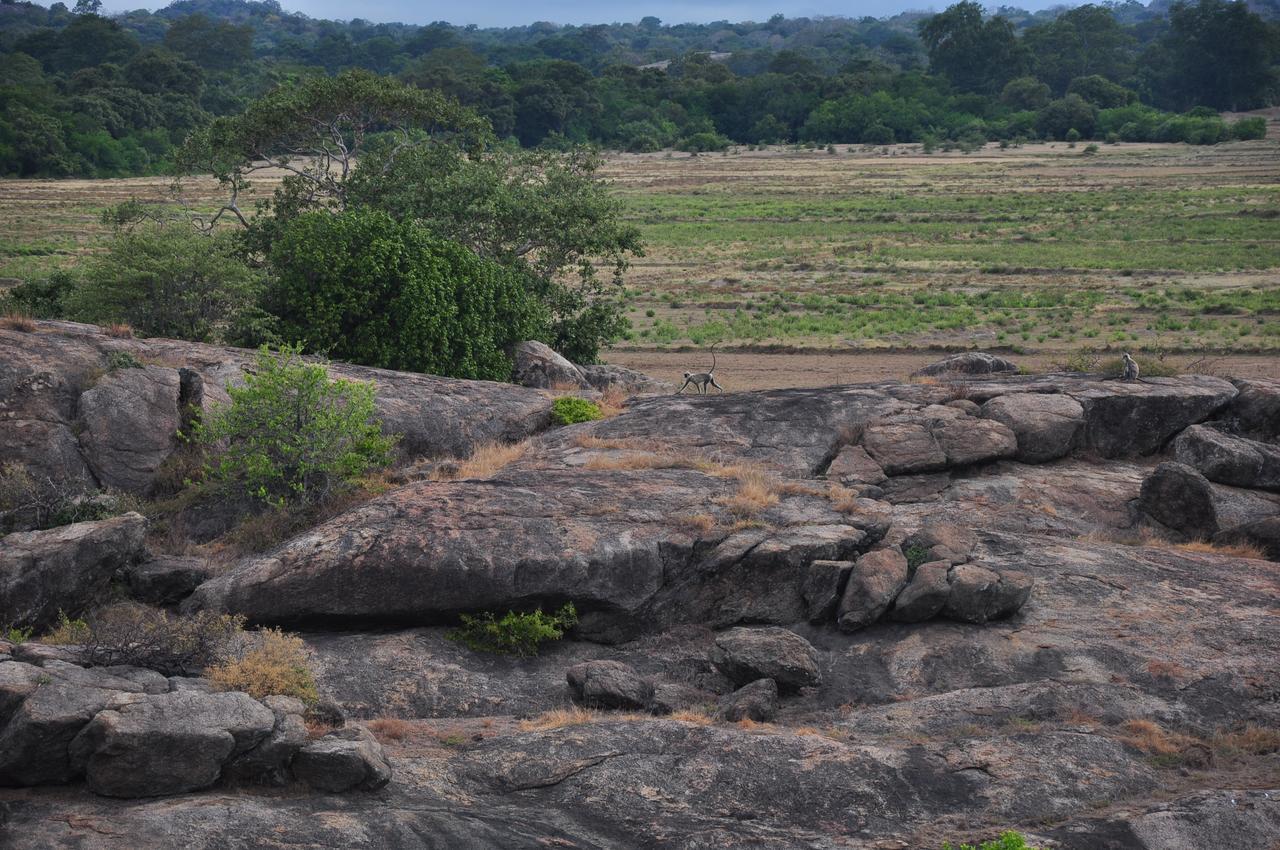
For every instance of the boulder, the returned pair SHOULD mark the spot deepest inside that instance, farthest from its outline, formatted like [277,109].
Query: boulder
[1179,497]
[968,363]
[344,759]
[756,701]
[609,684]
[168,743]
[1229,460]
[1263,534]
[925,595]
[874,583]
[17,682]
[605,377]
[35,744]
[1255,412]
[129,423]
[823,585]
[1125,419]
[852,465]
[967,440]
[167,579]
[538,365]
[942,540]
[615,541]
[979,594]
[744,655]
[268,763]
[903,447]
[1047,426]
[670,697]
[64,569]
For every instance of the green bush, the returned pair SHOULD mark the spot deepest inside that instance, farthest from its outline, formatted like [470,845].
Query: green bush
[169,281]
[291,435]
[1007,841]
[514,634]
[122,360]
[1245,129]
[915,555]
[570,410]
[17,636]
[364,288]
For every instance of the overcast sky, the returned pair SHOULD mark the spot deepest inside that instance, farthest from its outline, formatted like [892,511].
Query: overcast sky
[512,13]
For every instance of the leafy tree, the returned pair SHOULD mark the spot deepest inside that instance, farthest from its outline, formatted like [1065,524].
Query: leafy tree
[1101,92]
[292,435]
[364,288]
[210,44]
[975,55]
[1025,93]
[1217,54]
[544,214]
[1065,114]
[316,131]
[1081,42]
[170,281]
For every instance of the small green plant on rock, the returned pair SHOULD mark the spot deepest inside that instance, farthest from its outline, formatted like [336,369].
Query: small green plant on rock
[570,410]
[122,360]
[915,555]
[514,634]
[16,635]
[1007,841]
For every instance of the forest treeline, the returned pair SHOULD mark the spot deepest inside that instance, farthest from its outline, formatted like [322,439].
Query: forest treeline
[83,94]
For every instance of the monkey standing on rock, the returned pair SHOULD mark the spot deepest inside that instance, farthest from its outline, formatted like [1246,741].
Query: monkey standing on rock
[701,380]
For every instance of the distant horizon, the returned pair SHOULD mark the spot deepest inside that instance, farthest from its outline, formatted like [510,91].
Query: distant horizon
[579,13]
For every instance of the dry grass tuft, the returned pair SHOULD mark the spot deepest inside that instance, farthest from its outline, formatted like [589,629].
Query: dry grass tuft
[756,492]
[1251,740]
[612,402]
[1165,747]
[1231,550]
[390,728]
[487,459]
[559,718]
[18,322]
[318,728]
[692,715]
[644,460]
[118,330]
[700,523]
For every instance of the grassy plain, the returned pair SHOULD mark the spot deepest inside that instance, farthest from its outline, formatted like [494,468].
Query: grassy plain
[1041,250]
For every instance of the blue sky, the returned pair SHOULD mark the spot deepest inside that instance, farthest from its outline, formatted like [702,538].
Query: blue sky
[512,13]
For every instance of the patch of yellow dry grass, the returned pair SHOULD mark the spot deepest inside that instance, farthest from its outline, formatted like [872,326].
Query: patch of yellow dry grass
[692,715]
[487,459]
[575,716]
[756,492]
[1251,740]
[612,402]
[390,728]
[1232,550]
[17,322]
[118,330]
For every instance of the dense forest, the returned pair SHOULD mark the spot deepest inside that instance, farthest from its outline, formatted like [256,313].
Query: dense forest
[83,94]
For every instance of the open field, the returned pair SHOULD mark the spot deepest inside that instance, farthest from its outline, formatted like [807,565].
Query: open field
[1040,250]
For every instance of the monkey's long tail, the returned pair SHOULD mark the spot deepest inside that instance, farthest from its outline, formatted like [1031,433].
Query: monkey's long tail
[713,358]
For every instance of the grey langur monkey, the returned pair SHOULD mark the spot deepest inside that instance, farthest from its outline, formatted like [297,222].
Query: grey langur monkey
[1130,371]
[701,380]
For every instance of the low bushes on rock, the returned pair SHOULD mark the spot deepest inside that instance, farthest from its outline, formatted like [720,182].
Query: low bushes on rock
[278,664]
[291,434]
[514,634]
[570,410]
[128,633]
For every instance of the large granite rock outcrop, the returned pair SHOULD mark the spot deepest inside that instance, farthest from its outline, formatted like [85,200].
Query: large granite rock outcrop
[1226,459]
[64,569]
[66,414]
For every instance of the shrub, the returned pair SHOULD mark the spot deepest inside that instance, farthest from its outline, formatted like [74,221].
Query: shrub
[364,288]
[122,360]
[915,555]
[20,322]
[44,299]
[129,633]
[39,501]
[16,635]
[1254,127]
[514,634]
[1089,150]
[292,435]
[169,281]
[1007,841]
[570,410]
[278,664]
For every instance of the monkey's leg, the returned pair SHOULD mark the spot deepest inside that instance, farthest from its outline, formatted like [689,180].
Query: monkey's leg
[717,386]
